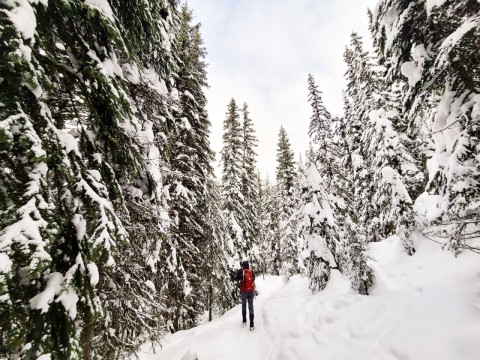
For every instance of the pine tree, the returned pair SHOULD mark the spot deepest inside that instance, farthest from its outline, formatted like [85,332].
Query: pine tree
[440,64]
[286,256]
[316,214]
[384,171]
[352,257]
[361,97]
[61,201]
[285,173]
[189,159]
[135,288]
[268,210]
[249,189]
[315,225]
[218,254]
[99,92]
[232,173]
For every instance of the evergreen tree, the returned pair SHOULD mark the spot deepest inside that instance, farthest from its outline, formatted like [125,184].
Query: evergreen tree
[61,200]
[217,259]
[440,63]
[321,210]
[249,188]
[268,210]
[232,174]
[316,226]
[286,248]
[285,173]
[135,288]
[189,159]
[384,171]
[320,120]
[352,257]
[361,97]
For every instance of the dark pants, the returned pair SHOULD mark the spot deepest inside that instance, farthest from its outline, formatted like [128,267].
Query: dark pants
[247,296]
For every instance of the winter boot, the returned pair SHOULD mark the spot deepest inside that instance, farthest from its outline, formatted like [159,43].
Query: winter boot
[251,326]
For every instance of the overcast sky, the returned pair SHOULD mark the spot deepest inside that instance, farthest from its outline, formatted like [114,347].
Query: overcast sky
[261,51]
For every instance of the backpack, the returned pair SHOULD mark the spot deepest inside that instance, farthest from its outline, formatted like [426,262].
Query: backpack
[248,285]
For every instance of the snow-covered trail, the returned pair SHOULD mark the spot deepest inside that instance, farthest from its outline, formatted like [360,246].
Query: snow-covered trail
[422,307]
[223,338]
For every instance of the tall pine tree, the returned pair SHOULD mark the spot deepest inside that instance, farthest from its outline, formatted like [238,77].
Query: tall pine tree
[232,174]
[286,247]
[249,186]
[62,208]
[440,64]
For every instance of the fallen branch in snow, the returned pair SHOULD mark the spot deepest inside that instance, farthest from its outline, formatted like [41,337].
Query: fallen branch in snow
[458,242]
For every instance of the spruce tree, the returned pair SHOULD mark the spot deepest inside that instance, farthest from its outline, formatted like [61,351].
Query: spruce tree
[360,98]
[352,257]
[285,171]
[95,88]
[286,248]
[135,288]
[61,201]
[249,186]
[217,256]
[384,171]
[440,64]
[232,174]
[268,205]
[189,159]
[318,201]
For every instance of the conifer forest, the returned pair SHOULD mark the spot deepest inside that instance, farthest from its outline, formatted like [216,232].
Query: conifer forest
[115,230]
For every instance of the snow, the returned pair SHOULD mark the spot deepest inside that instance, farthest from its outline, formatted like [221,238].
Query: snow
[60,46]
[430,4]
[23,17]
[111,66]
[419,52]
[426,205]
[151,78]
[424,306]
[26,232]
[103,7]
[93,273]
[80,225]
[45,357]
[393,21]
[399,193]
[450,42]
[67,141]
[42,300]
[236,227]
[5,263]
[150,285]
[69,301]
[26,52]
[131,73]
[412,72]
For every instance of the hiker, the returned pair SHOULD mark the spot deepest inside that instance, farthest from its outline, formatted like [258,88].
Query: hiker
[247,291]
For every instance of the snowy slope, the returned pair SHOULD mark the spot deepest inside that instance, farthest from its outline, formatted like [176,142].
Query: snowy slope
[422,307]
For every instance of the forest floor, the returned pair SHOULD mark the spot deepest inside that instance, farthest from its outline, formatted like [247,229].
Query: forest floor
[422,307]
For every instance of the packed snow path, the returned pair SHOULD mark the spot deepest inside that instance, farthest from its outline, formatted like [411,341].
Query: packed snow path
[422,307]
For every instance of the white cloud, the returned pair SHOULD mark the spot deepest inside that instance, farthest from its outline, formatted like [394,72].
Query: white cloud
[261,52]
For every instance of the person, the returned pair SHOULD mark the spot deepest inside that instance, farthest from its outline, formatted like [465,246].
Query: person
[246,276]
